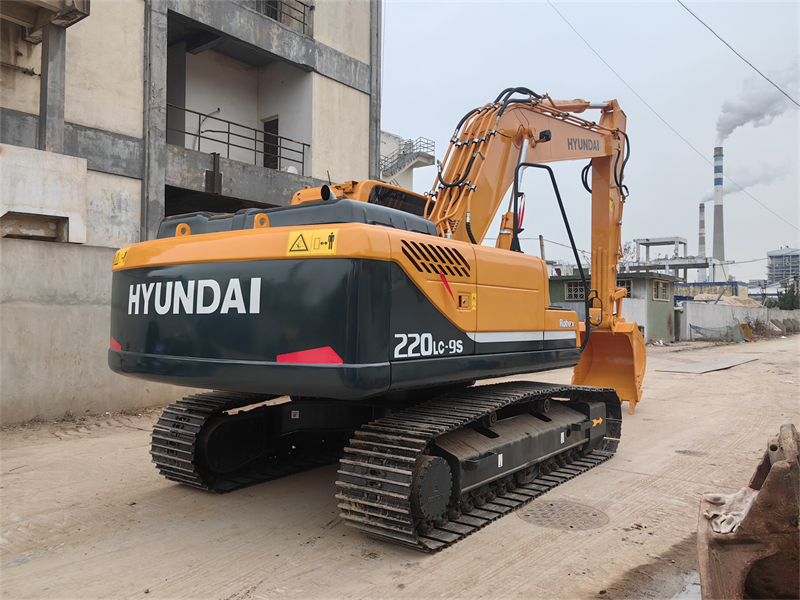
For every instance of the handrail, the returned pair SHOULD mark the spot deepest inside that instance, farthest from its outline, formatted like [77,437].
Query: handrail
[275,149]
[406,148]
[277,9]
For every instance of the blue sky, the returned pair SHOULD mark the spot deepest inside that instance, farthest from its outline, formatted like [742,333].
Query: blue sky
[442,59]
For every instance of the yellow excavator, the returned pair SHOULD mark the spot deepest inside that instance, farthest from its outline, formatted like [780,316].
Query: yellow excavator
[352,325]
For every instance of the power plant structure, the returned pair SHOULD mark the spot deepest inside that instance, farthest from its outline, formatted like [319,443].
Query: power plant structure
[719,225]
[710,269]
[701,244]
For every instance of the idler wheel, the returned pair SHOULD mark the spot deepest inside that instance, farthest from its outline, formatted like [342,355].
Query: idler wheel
[430,493]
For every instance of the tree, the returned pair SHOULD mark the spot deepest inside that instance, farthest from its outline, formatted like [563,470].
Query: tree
[790,299]
[628,255]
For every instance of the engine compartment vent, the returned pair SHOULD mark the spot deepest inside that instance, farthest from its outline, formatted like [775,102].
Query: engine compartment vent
[434,259]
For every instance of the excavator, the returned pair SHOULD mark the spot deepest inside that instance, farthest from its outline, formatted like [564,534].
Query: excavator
[352,326]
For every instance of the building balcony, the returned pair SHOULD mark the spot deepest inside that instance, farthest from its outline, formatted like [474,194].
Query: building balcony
[213,135]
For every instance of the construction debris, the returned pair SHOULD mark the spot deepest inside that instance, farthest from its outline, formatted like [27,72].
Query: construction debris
[755,553]
[728,300]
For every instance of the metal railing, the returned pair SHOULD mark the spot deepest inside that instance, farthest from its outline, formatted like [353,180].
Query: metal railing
[294,14]
[214,134]
[421,144]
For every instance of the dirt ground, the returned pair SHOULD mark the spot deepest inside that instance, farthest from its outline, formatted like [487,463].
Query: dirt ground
[85,514]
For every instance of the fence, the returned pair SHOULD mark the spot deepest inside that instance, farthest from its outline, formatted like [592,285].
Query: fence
[237,142]
[700,314]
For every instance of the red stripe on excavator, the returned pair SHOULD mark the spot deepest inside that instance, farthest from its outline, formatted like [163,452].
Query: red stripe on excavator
[115,345]
[317,356]
[444,281]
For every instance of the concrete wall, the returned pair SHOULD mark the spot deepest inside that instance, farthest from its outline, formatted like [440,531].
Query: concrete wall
[340,141]
[344,26]
[105,68]
[285,93]
[54,320]
[214,81]
[113,207]
[701,314]
[635,310]
[19,90]
[103,81]
[43,183]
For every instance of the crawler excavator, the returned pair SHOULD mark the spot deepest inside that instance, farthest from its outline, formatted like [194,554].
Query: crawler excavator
[352,325]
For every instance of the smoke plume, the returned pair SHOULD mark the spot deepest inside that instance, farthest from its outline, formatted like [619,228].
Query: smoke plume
[758,103]
[765,175]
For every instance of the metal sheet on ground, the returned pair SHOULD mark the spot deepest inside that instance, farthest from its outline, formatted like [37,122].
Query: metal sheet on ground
[715,364]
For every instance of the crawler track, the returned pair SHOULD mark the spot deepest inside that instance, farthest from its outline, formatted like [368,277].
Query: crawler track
[175,444]
[377,469]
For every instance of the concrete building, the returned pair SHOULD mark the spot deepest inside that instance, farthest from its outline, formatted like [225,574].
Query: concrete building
[115,114]
[783,264]
[650,301]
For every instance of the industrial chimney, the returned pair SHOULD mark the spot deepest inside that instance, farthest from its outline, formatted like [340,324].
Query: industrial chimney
[719,226]
[701,246]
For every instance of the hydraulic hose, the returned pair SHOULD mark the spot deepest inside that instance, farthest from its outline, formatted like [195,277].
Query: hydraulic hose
[585,177]
[618,176]
[463,178]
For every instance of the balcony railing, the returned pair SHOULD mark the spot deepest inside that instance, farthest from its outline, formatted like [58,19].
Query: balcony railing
[294,14]
[390,162]
[235,141]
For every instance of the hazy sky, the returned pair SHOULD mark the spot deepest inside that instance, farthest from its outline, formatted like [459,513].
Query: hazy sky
[442,59]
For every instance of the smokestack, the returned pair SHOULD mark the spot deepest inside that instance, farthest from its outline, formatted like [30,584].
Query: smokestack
[701,246]
[719,226]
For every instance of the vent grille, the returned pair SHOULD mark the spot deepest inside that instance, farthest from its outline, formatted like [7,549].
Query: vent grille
[434,259]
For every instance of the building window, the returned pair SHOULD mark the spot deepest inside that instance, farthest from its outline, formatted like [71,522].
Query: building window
[625,283]
[660,290]
[573,290]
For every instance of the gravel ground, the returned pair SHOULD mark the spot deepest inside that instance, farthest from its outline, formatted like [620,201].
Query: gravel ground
[84,513]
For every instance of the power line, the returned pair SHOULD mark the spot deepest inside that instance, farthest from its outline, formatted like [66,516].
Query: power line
[675,131]
[737,54]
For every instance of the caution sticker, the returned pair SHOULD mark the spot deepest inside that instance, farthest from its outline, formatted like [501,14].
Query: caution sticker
[120,256]
[312,242]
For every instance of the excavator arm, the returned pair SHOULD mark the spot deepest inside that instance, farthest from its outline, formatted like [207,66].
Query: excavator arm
[480,166]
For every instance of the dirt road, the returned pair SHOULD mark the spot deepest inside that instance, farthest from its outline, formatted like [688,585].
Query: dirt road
[86,515]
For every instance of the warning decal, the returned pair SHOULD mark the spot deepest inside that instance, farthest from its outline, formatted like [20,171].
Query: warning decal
[312,242]
[299,245]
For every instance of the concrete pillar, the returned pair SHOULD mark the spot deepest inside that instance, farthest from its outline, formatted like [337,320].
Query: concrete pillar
[375,88]
[176,93]
[51,91]
[155,118]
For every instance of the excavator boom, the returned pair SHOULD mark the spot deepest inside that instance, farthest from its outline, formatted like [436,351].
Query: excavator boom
[491,145]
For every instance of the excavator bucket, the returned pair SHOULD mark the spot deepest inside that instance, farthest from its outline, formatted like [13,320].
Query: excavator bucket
[614,358]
